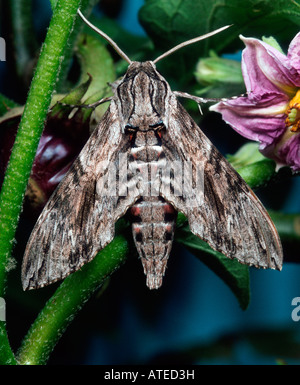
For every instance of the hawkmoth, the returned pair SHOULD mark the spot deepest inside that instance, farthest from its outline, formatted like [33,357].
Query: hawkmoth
[147,125]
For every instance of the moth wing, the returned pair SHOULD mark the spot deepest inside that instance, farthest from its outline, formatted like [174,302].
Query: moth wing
[79,218]
[224,212]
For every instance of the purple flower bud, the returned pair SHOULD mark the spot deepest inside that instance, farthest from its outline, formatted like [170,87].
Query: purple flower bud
[60,144]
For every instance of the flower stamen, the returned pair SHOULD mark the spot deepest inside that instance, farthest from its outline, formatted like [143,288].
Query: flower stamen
[293,114]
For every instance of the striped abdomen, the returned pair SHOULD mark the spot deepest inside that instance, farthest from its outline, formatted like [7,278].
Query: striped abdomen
[153,219]
[153,225]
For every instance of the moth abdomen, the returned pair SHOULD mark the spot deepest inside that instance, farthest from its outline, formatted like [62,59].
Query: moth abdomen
[153,225]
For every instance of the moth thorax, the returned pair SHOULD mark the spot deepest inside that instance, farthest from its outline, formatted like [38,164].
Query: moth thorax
[146,138]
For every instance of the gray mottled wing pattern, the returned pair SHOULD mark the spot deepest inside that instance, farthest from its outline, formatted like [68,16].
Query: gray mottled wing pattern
[230,218]
[79,218]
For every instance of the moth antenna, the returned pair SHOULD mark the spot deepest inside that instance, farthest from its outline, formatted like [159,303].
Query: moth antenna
[106,37]
[188,42]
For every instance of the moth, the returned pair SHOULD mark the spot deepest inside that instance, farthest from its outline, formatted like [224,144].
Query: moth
[144,129]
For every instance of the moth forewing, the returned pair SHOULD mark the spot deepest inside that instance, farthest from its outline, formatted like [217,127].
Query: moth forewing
[146,128]
[79,218]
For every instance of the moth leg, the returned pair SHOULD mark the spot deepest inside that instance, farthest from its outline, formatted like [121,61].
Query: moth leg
[199,100]
[92,105]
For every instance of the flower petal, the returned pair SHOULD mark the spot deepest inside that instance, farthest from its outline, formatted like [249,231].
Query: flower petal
[266,70]
[285,153]
[291,152]
[263,121]
[294,53]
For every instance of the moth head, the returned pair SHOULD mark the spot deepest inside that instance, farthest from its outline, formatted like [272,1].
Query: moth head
[169,52]
[145,96]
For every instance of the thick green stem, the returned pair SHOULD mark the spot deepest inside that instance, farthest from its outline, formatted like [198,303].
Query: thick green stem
[68,299]
[6,355]
[29,132]
[31,127]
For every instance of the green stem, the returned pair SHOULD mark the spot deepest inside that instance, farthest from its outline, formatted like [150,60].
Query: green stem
[31,127]
[6,355]
[68,299]
[29,132]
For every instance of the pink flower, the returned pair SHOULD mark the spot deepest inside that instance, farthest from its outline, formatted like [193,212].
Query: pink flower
[270,113]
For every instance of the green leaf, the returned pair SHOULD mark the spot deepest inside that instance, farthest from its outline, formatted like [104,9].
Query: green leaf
[247,154]
[95,60]
[252,165]
[258,174]
[169,22]
[233,273]
[6,104]
[215,70]
[279,18]
[218,77]
[272,42]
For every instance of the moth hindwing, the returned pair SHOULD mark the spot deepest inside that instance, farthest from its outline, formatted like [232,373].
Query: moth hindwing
[147,159]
